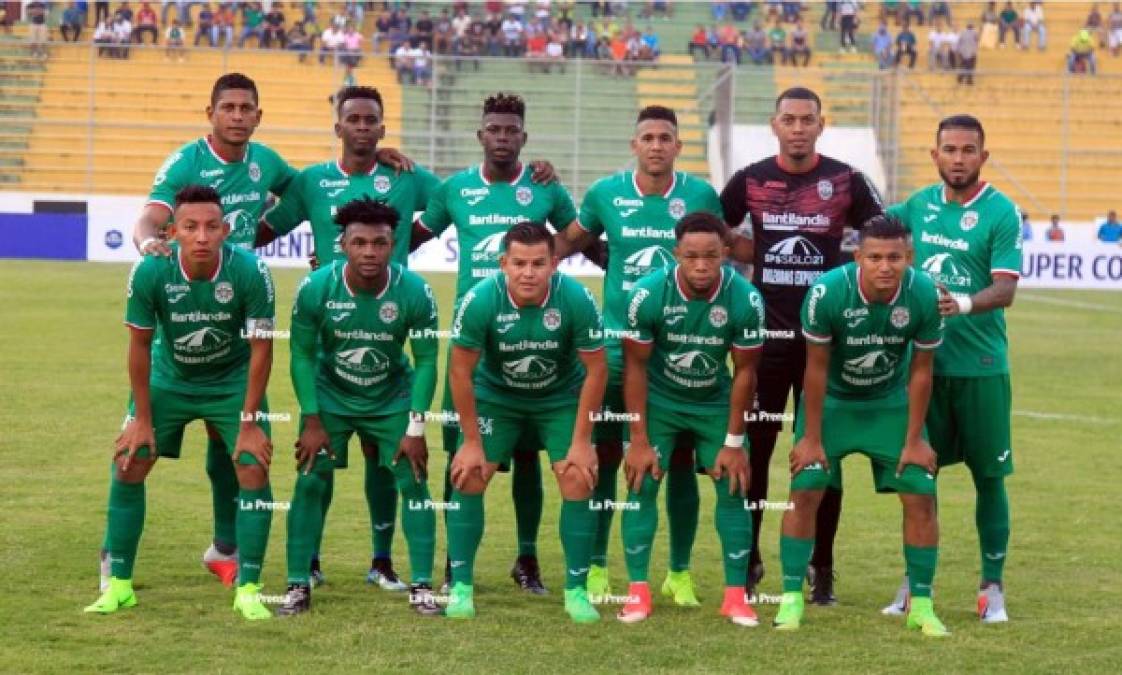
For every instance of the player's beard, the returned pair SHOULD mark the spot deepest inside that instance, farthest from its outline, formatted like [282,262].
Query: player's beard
[969,181]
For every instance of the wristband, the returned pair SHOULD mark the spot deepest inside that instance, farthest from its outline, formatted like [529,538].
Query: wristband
[965,304]
[416,426]
[734,440]
[144,244]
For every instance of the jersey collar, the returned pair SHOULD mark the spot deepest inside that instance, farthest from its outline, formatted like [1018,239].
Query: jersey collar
[220,158]
[217,268]
[861,292]
[779,163]
[517,177]
[977,194]
[664,195]
[379,294]
[343,172]
[682,289]
[514,303]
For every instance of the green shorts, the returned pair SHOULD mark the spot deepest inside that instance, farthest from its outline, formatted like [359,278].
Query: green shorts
[503,429]
[172,411]
[665,428]
[877,432]
[383,431]
[969,420]
[450,426]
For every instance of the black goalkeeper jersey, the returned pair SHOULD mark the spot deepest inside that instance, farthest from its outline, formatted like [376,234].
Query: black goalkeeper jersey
[797,224]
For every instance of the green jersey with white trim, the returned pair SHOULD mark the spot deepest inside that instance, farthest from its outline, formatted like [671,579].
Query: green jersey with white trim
[244,186]
[483,211]
[963,246]
[529,353]
[692,337]
[201,325]
[319,190]
[358,339]
[870,342]
[640,232]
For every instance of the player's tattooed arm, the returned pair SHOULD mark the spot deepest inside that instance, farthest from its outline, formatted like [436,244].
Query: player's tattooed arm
[393,158]
[809,451]
[640,458]
[571,239]
[997,295]
[469,460]
[146,233]
[138,432]
[251,437]
[916,450]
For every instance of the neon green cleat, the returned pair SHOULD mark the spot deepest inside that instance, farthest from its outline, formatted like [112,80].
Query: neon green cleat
[922,617]
[598,585]
[679,585]
[248,603]
[578,606]
[118,594]
[790,614]
[461,603]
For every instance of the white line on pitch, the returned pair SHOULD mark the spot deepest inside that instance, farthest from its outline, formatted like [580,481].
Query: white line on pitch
[1062,416]
[1069,303]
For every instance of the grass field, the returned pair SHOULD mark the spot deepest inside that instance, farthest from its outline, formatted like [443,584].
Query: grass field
[62,352]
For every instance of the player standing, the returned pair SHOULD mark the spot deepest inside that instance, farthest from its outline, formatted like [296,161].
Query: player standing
[968,239]
[527,358]
[799,203]
[200,324]
[637,211]
[483,202]
[866,390]
[350,322]
[684,321]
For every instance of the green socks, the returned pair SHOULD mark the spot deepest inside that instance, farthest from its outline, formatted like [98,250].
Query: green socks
[605,490]
[381,499]
[638,528]
[683,504]
[419,522]
[465,531]
[223,491]
[578,528]
[305,523]
[734,529]
[328,495]
[921,562]
[126,523]
[992,517]
[255,516]
[794,554]
[526,490]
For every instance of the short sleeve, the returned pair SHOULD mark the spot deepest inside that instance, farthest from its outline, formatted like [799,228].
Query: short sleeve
[749,320]
[899,211]
[590,213]
[588,326]
[469,326]
[641,315]
[140,297]
[734,199]
[1006,249]
[866,202]
[929,334]
[815,315]
[290,211]
[426,184]
[712,203]
[284,174]
[564,211]
[170,179]
[437,216]
[260,298]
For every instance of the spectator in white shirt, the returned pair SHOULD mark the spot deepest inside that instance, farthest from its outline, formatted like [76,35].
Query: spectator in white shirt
[512,36]
[1032,21]
[422,60]
[330,42]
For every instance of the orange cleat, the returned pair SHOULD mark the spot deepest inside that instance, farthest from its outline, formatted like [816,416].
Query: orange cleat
[638,607]
[225,567]
[737,609]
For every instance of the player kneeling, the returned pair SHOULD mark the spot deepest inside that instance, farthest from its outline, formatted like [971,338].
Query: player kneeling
[865,390]
[683,321]
[350,322]
[200,323]
[519,341]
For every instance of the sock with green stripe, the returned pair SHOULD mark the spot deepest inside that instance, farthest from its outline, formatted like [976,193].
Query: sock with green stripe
[638,527]
[683,506]
[991,515]
[381,500]
[125,525]
[794,554]
[255,518]
[734,529]
[418,520]
[465,531]
[921,562]
[526,490]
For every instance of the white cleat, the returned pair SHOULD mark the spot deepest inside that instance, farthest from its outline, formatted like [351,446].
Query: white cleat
[991,603]
[900,603]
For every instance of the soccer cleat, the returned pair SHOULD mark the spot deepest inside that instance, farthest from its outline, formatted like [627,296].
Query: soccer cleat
[105,570]
[315,573]
[297,600]
[528,575]
[598,584]
[900,603]
[118,594]
[991,603]
[679,585]
[638,606]
[422,601]
[579,608]
[821,580]
[755,576]
[921,616]
[737,609]
[790,614]
[461,604]
[247,602]
[223,566]
[381,573]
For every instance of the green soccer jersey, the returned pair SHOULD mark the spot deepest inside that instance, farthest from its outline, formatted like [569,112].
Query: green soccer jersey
[201,326]
[963,246]
[244,186]
[640,232]
[870,342]
[529,354]
[352,343]
[483,211]
[691,337]
[318,191]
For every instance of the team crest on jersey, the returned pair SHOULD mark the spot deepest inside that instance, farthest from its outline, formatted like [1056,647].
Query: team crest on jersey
[899,317]
[254,172]
[381,184]
[223,292]
[551,319]
[718,316]
[825,189]
[968,221]
[388,312]
[523,195]
[677,208]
